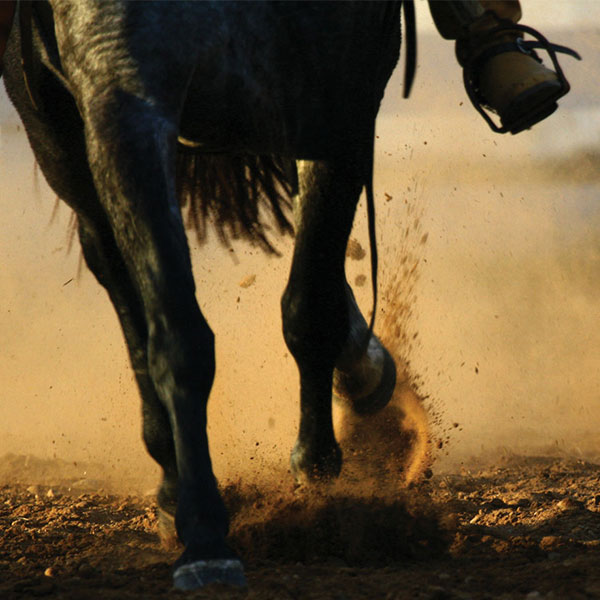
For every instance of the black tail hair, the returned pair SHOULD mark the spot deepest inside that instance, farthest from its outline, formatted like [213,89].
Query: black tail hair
[233,193]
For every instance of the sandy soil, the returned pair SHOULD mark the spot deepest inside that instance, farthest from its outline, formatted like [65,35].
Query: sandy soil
[527,527]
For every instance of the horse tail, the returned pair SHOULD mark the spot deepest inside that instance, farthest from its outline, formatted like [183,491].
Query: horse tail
[242,196]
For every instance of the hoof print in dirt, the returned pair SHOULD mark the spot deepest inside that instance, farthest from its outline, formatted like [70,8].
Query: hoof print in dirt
[196,575]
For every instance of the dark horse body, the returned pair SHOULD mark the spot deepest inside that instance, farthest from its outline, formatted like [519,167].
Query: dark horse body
[109,88]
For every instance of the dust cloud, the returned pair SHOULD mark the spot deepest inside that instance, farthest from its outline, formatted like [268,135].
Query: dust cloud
[490,249]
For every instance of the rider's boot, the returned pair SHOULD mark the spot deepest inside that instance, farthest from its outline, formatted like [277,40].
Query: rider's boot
[502,72]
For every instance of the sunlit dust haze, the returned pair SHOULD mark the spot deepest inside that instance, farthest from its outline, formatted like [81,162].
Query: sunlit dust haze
[489,259]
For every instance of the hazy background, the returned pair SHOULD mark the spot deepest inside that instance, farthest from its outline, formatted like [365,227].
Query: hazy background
[505,307]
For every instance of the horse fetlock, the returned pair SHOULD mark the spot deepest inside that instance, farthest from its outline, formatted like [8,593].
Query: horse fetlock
[310,466]
[367,385]
[167,532]
[167,505]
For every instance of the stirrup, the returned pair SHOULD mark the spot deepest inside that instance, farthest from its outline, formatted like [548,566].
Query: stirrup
[540,112]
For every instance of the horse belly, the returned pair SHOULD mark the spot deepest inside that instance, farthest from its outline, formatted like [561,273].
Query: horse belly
[293,78]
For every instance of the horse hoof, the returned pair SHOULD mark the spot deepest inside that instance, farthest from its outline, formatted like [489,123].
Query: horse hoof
[195,575]
[356,388]
[166,530]
[310,468]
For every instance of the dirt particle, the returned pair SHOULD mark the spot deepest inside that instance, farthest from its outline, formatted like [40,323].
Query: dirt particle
[354,250]
[247,281]
[360,280]
[476,518]
[549,542]
[568,504]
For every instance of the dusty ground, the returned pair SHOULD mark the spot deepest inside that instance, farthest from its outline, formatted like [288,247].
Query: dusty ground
[527,527]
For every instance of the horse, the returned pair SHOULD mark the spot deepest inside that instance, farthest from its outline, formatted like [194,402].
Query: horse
[252,116]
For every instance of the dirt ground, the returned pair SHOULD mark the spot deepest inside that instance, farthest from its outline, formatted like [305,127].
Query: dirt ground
[526,527]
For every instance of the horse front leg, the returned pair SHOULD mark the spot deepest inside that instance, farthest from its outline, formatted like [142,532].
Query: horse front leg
[132,162]
[314,305]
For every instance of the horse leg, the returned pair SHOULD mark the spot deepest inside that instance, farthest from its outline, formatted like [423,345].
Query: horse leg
[58,143]
[130,87]
[103,259]
[57,140]
[132,159]
[314,305]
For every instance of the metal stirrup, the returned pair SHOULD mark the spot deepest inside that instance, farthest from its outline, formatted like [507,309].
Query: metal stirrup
[471,70]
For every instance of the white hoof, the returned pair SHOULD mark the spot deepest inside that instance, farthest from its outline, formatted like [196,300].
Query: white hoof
[202,572]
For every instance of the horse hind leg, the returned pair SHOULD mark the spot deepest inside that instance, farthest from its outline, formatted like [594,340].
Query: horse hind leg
[315,308]
[105,262]
[323,326]
[365,375]
[59,148]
